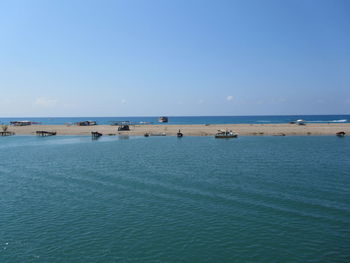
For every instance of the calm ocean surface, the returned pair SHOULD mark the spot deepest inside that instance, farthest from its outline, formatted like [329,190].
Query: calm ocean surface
[193,120]
[164,199]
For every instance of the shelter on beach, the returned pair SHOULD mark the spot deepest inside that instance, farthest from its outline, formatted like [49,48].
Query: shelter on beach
[124,127]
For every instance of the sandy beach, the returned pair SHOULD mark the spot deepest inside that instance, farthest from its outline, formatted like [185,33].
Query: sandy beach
[191,130]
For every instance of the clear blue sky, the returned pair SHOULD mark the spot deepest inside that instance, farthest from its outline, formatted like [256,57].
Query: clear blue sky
[179,57]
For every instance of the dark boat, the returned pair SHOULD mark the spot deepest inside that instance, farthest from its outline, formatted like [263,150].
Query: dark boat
[21,123]
[340,134]
[179,134]
[46,133]
[96,134]
[86,123]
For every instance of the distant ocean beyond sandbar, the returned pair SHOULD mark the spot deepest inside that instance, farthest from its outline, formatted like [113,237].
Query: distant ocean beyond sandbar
[183,120]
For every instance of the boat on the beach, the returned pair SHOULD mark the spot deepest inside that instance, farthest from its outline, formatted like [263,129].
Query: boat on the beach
[95,135]
[21,123]
[86,123]
[223,134]
[45,133]
[340,134]
[163,119]
[179,134]
[300,122]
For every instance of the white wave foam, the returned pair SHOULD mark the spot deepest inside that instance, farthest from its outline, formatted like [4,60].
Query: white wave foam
[345,120]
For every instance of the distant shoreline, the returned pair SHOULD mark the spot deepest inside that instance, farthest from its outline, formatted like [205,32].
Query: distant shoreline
[191,129]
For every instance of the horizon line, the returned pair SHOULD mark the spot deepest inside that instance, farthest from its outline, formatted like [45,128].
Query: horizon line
[153,116]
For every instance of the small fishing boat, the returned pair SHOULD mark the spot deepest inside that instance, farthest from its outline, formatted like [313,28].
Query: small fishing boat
[179,134]
[45,133]
[86,123]
[221,134]
[21,123]
[340,134]
[163,119]
[96,134]
[300,122]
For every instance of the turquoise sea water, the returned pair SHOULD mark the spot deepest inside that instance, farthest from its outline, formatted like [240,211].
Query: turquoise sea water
[163,199]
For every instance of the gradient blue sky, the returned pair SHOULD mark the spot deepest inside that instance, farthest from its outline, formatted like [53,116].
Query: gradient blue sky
[179,57]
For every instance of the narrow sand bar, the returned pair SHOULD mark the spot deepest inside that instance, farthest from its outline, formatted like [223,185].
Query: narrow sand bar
[192,130]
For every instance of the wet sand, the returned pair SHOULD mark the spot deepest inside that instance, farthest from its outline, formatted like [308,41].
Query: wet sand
[192,130]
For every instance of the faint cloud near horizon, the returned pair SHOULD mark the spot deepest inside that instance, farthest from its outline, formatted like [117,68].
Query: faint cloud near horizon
[45,102]
[229,98]
[123,101]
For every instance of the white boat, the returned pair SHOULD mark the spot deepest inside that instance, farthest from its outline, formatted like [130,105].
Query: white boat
[300,122]
[221,134]
[163,119]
